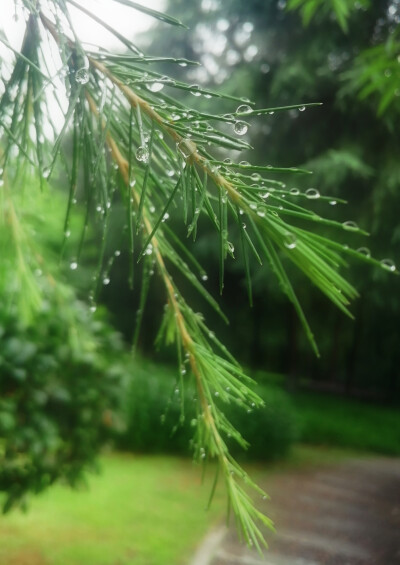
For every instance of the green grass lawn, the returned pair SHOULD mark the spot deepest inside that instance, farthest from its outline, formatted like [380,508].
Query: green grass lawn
[141,510]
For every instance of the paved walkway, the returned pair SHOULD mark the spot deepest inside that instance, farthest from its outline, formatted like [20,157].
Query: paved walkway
[347,514]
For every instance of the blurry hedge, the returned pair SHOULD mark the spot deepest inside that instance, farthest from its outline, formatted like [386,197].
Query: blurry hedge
[154,422]
[60,380]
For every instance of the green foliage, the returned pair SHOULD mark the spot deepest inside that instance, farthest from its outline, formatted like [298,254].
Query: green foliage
[342,9]
[59,384]
[341,422]
[61,378]
[376,74]
[269,431]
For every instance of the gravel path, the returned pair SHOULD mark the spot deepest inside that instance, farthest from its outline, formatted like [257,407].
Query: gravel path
[347,514]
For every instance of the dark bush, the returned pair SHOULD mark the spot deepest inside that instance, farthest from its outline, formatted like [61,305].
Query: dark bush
[59,383]
[155,424]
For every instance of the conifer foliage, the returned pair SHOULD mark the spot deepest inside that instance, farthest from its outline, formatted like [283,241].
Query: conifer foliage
[132,141]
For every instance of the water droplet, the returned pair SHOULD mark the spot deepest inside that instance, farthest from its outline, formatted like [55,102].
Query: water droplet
[271,113]
[142,154]
[73,265]
[302,108]
[228,161]
[244,109]
[155,86]
[195,90]
[350,226]
[117,253]
[388,264]
[265,195]
[290,240]
[67,233]
[256,176]
[46,173]
[364,251]
[312,193]
[294,191]
[82,75]
[149,249]
[332,202]
[240,128]
[204,277]
[93,308]
[216,393]
[182,64]
[132,182]
[106,281]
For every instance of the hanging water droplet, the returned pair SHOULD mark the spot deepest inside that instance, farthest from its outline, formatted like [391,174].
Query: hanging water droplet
[204,277]
[149,249]
[388,264]
[364,251]
[216,394]
[106,281]
[82,75]
[194,89]
[142,154]
[302,108]
[240,128]
[67,233]
[155,86]
[132,182]
[265,195]
[117,253]
[73,265]
[243,109]
[271,113]
[93,308]
[46,172]
[261,212]
[290,240]
[350,226]
[332,202]
[312,193]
